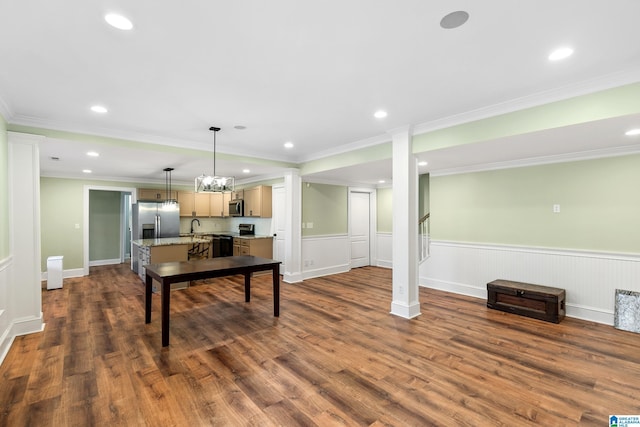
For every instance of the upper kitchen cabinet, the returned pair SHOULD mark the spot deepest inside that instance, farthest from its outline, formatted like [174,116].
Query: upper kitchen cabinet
[202,204]
[194,204]
[186,200]
[153,194]
[257,201]
[219,204]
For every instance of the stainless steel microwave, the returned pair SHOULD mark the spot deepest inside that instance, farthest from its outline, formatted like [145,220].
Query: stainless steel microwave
[236,207]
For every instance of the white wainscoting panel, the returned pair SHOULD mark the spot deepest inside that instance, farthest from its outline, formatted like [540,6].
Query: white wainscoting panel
[324,255]
[6,338]
[385,250]
[589,278]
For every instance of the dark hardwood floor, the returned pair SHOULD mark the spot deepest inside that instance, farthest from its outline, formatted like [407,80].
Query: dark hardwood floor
[335,356]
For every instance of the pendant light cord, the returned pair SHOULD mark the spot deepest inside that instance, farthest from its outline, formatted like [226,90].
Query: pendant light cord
[215,130]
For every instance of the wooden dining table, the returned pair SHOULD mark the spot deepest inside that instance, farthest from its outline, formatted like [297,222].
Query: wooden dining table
[167,273]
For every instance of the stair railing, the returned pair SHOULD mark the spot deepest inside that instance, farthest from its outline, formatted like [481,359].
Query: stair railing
[423,237]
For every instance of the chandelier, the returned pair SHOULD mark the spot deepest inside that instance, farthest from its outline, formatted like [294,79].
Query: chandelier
[214,183]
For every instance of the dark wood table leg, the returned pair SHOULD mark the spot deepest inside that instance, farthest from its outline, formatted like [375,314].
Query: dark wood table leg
[247,287]
[166,298]
[148,292]
[276,290]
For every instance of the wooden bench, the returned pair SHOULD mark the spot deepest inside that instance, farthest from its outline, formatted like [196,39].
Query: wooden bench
[536,301]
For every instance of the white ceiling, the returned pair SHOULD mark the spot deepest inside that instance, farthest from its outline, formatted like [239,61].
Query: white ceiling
[310,73]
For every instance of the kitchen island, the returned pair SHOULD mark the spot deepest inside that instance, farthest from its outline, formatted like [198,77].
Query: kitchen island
[167,249]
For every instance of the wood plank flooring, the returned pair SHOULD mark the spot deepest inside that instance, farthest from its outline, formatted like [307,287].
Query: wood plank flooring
[334,357]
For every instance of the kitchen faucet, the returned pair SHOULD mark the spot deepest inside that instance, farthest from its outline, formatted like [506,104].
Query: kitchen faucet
[194,219]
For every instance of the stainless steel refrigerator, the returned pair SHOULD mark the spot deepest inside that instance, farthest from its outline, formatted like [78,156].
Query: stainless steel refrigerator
[151,220]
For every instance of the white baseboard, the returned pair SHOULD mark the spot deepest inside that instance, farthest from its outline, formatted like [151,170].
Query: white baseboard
[99,262]
[384,264]
[319,272]
[19,327]
[66,274]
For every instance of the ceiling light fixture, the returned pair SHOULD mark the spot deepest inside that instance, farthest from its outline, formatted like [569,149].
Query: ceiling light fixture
[118,21]
[93,154]
[168,200]
[380,114]
[454,20]
[246,170]
[562,53]
[214,183]
[633,132]
[99,109]
[422,163]
[86,170]
[288,145]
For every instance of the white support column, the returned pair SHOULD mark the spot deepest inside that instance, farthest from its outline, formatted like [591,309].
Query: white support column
[293,239]
[405,226]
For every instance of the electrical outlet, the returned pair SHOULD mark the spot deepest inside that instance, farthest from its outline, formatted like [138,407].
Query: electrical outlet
[309,225]
[556,208]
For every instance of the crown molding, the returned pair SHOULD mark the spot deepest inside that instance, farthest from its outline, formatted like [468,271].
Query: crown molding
[544,160]
[573,90]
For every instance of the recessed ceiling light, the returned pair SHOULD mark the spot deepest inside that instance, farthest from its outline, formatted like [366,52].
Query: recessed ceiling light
[246,171]
[633,132]
[118,21]
[380,114]
[93,154]
[382,181]
[454,19]
[562,53]
[422,163]
[288,145]
[239,127]
[86,170]
[99,109]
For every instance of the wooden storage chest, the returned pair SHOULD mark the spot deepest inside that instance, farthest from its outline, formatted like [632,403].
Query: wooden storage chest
[539,302]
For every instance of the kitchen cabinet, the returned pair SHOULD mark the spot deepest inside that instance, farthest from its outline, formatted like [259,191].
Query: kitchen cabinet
[155,194]
[219,204]
[157,254]
[202,204]
[261,247]
[194,204]
[257,201]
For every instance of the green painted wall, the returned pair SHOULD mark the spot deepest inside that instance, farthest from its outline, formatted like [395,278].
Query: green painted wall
[4,190]
[599,206]
[326,207]
[61,208]
[104,224]
[384,212]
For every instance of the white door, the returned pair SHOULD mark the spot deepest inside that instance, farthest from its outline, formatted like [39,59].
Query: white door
[278,218]
[359,225]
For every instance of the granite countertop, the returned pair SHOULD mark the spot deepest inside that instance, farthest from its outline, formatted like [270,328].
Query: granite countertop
[252,236]
[233,234]
[165,241]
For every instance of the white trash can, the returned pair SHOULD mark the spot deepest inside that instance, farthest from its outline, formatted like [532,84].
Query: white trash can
[54,272]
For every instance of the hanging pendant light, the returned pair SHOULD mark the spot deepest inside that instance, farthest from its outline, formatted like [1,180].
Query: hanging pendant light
[168,200]
[214,183]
